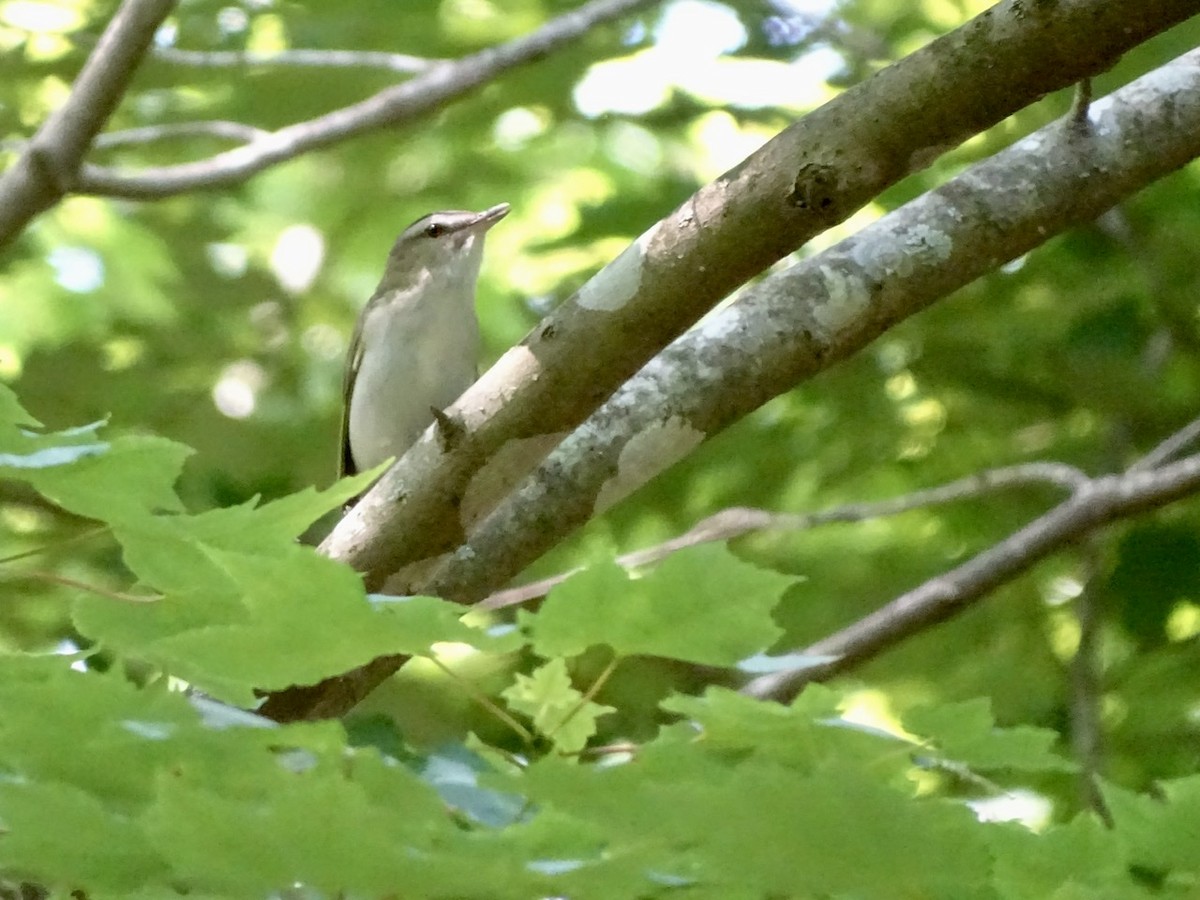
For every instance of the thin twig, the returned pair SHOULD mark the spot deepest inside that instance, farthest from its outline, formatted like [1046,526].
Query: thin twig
[1081,105]
[401,63]
[49,167]
[1086,689]
[484,700]
[57,545]
[731,523]
[1102,501]
[589,695]
[227,131]
[1169,448]
[391,106]
[64,581]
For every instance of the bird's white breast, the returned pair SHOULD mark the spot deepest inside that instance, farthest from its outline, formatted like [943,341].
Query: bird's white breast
[419,351]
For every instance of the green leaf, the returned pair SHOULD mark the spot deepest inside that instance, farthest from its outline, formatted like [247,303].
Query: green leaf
[271,528]
[965,733]
[1083,853]
[108,480]
[703,605]
[419,622]
[374,830]
[222,804]
[556,708]
[264,616]
[1157,566]
[722,822]
[134,477]
[268,621]
[101,847]
[1162,834]
[292,514]
[807,735]
[12,413]
[244,606]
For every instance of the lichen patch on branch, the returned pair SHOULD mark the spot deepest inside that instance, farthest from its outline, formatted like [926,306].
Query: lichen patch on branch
[650,451]
[847,295]
[618,282]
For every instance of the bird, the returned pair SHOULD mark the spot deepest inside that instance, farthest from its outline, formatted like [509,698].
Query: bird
[415,346]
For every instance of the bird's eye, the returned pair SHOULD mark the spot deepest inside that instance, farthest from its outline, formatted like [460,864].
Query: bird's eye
[433,229]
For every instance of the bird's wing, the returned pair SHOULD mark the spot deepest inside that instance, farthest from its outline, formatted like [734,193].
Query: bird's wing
[353,361]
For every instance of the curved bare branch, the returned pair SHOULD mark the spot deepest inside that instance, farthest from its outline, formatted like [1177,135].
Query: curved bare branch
[49,167]
[389,107]
[226,131]
[401,63]
[808,178]
[800,321]
[1104,500]
[732,523]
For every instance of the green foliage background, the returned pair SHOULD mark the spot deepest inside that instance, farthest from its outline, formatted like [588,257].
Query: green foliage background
[112,782]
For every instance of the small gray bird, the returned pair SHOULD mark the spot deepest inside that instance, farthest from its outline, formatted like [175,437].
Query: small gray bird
[415,346]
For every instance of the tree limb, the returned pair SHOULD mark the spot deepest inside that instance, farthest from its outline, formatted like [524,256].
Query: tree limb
[1102,501]
[806,179]
[49,167]
[399,103]
[401,63]
[226,131]
[733,523]
[783,330]
[798,322]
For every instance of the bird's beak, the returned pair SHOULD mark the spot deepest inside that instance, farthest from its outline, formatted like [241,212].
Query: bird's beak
[486,219]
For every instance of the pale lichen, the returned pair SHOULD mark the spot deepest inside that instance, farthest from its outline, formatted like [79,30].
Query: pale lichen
[652,450]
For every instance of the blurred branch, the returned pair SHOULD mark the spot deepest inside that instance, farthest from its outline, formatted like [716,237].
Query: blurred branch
[732,523]
[401,63]
[392,106]
[1170,448]
[1102,501]
[49,167]
[15,492]
[64,581]
[783,330]
[228,131]
[1087,694]
[57,546]
[1176,324]
[1087,668]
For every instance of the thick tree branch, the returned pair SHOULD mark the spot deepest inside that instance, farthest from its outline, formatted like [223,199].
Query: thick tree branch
[1103,501]
[783,330]
[49,167]
[808,178]
[400,103]
[798,322]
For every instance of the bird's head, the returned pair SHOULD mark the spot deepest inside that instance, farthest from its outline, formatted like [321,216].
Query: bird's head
[442,244]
